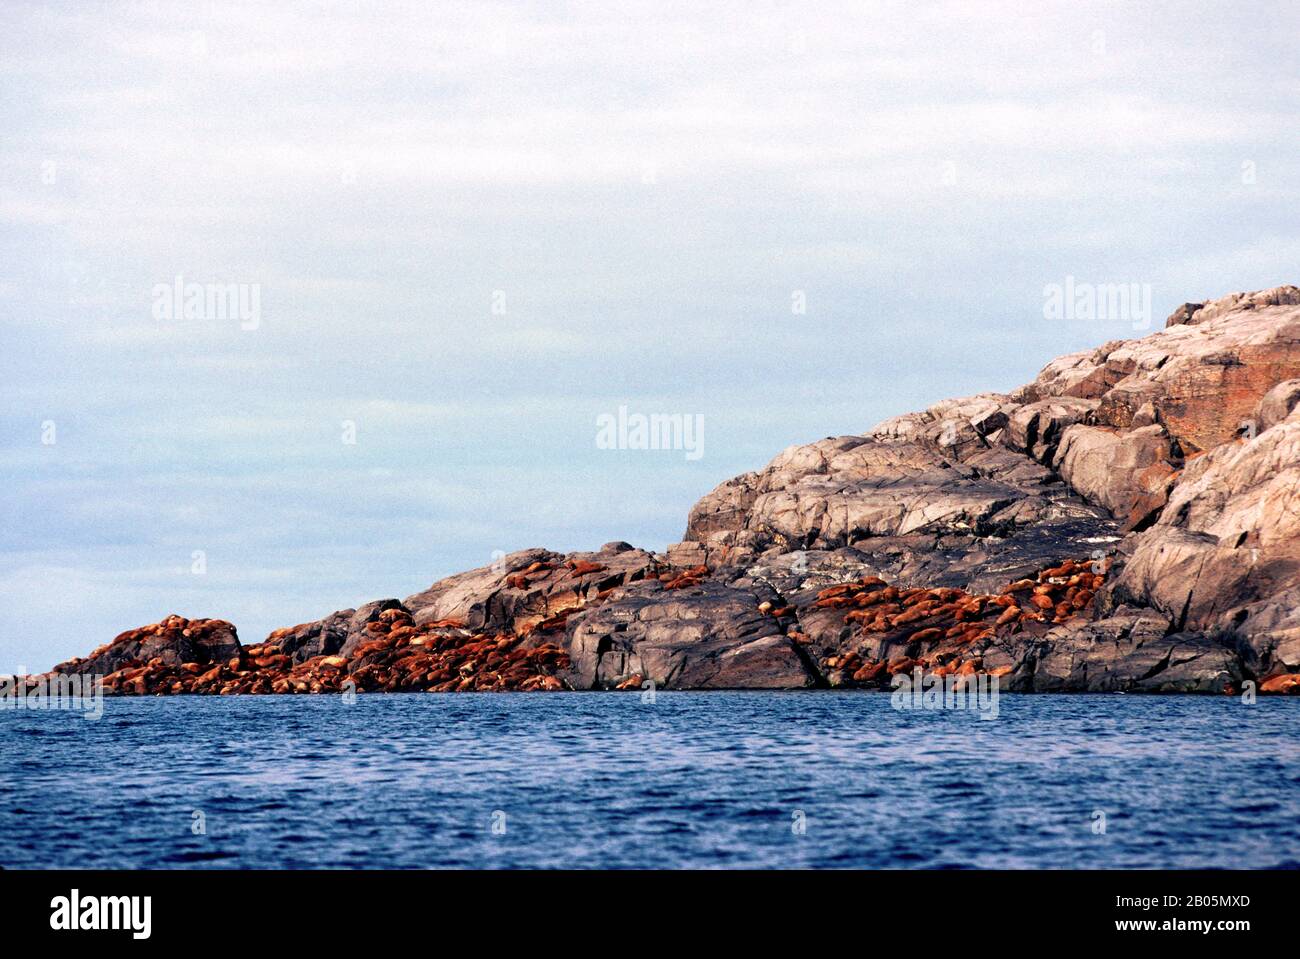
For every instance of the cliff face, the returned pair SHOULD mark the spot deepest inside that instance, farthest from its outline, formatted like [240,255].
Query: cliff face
[1127,521]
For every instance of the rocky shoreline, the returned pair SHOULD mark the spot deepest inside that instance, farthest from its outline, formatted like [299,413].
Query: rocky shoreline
[1128,522]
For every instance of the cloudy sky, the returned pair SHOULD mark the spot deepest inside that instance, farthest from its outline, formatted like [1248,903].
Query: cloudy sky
[475,228]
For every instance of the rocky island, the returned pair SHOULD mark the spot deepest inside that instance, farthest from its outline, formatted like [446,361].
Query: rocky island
[1129,521]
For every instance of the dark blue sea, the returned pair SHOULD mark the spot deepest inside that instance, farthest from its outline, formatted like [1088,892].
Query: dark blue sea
[702,780]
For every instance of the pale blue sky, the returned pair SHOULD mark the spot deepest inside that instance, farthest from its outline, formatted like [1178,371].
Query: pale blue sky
[646,183]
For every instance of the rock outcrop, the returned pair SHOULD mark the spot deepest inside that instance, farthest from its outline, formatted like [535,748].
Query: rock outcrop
[173,642]
[707,635]
[1129,521]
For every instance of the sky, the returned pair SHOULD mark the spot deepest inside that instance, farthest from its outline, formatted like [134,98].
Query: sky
[471,230]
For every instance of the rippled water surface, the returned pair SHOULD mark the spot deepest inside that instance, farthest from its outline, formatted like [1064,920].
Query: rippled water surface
[694,780]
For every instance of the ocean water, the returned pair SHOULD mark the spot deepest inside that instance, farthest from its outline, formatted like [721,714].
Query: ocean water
[701,780]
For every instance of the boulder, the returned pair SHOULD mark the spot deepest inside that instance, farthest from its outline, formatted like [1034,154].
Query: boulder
[531,586]
[342,631]
[708,636]
[1132,651]
[1129,473]
[1036,428]
[1275,406]
[173,641]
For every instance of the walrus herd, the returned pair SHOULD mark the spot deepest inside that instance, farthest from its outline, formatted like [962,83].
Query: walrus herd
[940,630]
